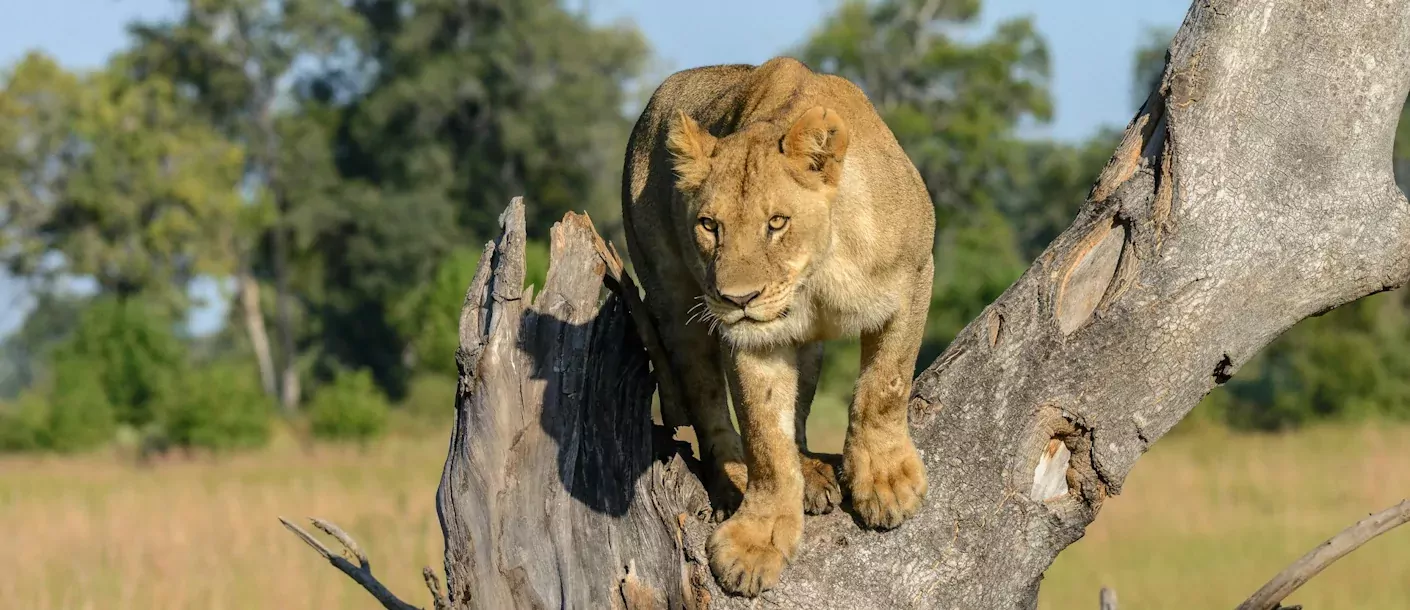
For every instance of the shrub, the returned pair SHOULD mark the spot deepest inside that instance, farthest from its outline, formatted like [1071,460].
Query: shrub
[80,415]
[351,408]
[220,406]
[23,423]
[129,352]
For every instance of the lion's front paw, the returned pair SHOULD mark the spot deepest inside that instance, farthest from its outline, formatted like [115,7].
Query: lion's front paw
[887,485]
[820,489]
[748,552]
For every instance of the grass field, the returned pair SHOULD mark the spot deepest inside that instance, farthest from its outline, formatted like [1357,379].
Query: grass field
[1204,520]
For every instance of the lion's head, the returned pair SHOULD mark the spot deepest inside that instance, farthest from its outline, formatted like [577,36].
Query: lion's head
[758,203]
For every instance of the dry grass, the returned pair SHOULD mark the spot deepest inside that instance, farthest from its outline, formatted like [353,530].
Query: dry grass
[1207,518]
[1204,520]
[90,533]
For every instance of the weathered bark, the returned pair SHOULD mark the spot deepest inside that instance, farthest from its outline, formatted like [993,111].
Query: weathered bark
[1254,189]
[551,495]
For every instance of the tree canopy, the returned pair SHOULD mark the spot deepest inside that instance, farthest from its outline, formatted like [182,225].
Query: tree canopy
[333,167]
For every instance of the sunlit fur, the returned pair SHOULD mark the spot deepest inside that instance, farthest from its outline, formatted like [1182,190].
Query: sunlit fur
[779,181]
[806,292]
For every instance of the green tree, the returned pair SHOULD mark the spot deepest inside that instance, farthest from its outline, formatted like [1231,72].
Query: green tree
[386,133]
[459,107]
[127,348]
[111,179]
[235,57]
[475,102]
[24,353]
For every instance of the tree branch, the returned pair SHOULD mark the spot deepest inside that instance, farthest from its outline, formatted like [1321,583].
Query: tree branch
[360,573]
[1317,559]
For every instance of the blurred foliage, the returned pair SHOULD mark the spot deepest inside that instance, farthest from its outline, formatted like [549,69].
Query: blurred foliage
[384,133]
[218,406]
[111,179]
[24,423]
[127,351]
[78,414]
[349,408]
[26,352]
[430,399]
[346,159]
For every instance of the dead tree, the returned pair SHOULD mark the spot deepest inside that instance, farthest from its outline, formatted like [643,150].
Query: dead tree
[1252,190]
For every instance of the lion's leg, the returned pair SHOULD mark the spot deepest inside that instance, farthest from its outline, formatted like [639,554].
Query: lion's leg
[695,359]
[880,465]
[749,551]
[820,489]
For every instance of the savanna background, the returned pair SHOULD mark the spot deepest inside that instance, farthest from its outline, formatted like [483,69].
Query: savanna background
[235,235]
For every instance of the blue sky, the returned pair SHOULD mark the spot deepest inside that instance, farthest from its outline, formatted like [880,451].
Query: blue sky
[1090,43]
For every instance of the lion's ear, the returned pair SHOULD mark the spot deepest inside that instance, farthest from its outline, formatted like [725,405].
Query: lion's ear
[690,147]
[817,142]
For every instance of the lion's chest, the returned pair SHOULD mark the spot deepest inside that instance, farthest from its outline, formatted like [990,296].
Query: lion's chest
[847,301]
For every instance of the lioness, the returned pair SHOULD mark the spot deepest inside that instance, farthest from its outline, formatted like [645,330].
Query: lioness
[773,205]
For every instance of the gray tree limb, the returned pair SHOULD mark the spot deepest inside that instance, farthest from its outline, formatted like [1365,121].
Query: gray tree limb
[360,573]
[1252,190]
[1317,559]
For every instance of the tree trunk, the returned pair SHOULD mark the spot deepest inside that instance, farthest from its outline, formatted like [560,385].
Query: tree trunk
[252,312]
[1253,189]
[289,388]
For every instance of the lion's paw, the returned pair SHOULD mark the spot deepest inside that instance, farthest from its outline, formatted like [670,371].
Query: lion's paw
[887,485]
[748,552]
[821,493]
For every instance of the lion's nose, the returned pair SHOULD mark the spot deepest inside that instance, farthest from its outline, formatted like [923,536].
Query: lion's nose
[741,300]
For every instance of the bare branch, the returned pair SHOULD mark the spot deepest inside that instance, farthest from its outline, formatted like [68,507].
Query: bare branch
[438,598]
[346,540]
[361,574]
[1319,558]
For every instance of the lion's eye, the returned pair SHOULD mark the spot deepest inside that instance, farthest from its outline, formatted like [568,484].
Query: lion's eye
[777,223]
[708,224]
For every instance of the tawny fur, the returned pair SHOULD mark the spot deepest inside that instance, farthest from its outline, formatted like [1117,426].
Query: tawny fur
[768,209]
